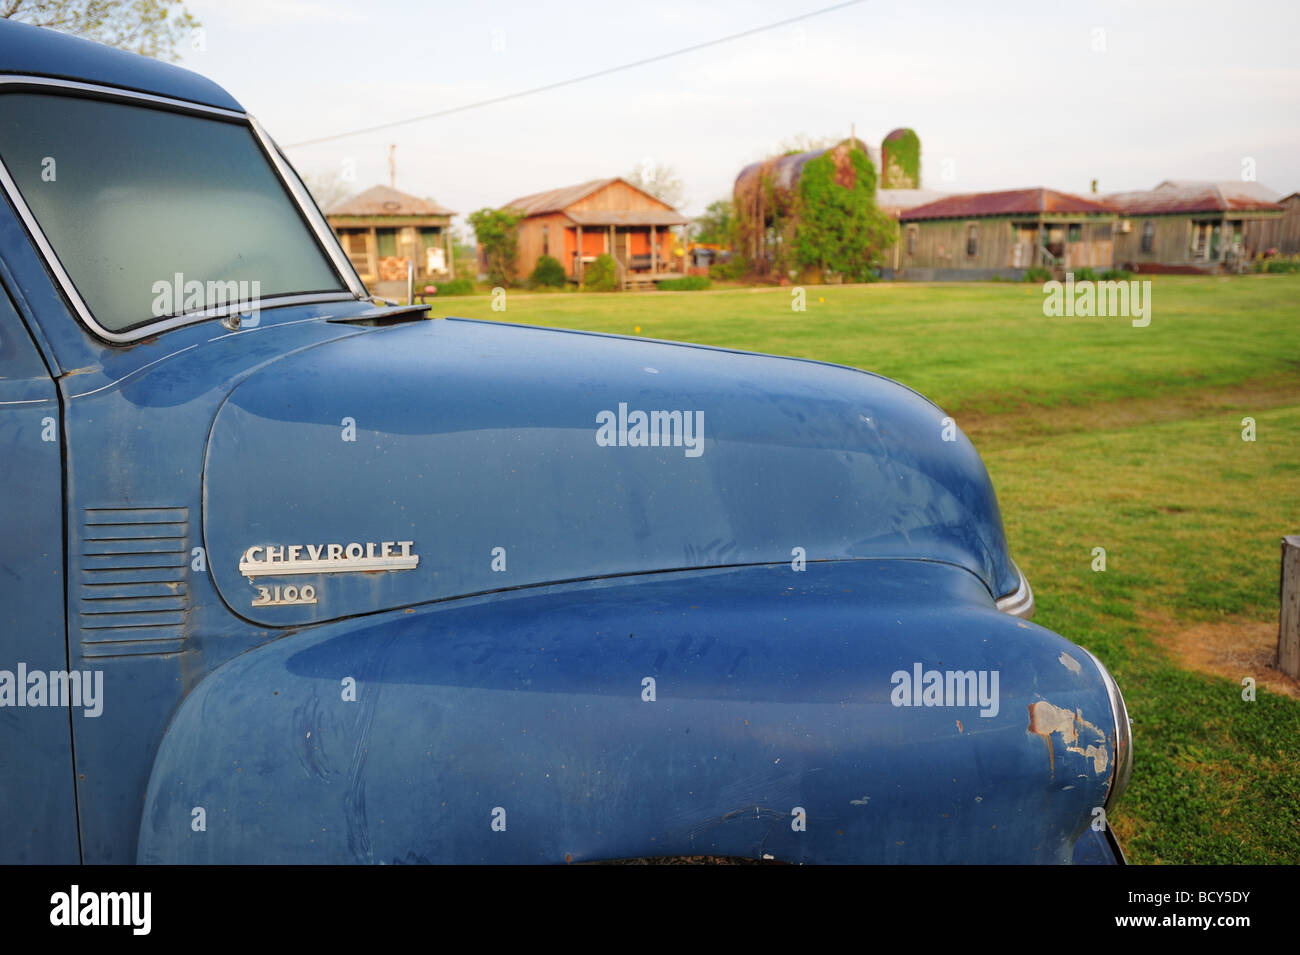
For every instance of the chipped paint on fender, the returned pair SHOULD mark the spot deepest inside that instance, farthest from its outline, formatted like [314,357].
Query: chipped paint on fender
[1046,719]
[1070,663]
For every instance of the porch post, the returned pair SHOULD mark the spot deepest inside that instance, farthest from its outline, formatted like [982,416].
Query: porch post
[578,266]
[372,254]
[654,250]
[613,254]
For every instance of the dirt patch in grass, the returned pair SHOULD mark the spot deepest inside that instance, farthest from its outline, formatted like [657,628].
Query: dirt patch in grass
[1232,648]
[1030,422]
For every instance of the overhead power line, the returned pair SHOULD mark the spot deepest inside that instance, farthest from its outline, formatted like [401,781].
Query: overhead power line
[577,79]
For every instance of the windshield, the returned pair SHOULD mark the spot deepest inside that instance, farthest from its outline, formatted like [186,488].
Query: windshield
[154,213]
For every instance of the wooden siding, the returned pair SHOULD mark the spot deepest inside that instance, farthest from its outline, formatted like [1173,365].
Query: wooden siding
[1283,233]
[617,195]
[1170,241]
[1096,248]
[941,244]
[1172,238]
[532,239]
[1009,242]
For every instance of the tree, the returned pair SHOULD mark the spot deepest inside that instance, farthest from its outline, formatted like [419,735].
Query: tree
[149,27]
[660,180]
[717,224]
[327,189]
[499,240]
[840,228]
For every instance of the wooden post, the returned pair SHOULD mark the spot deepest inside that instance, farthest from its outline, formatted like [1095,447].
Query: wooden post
[654,250]
[1288,627]
[372,254]
[580,269]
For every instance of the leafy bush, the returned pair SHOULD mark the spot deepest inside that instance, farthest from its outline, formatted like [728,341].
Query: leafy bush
[1085,274]
[737,268]
[456,287]
[548,272]
[601,275]
[689,283]
[1038,273]
[1281,263]
[1116,275]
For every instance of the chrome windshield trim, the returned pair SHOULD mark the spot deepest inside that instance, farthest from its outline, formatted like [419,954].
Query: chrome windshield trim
[116,92]
[1020,602]
[328,244]
[311,212]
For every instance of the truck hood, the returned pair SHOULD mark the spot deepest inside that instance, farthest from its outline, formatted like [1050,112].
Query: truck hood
[445,458]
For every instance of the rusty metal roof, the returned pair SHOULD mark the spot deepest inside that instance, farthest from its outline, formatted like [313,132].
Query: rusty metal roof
[606,217]
[1185,196]
[386,201]
[557,200]
[1012,202]
[786,170]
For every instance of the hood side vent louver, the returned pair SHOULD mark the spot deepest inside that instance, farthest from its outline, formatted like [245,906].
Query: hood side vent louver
[133,594]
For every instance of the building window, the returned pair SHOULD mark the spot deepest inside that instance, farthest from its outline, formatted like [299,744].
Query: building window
[972,239]
[1075,233]
[387,239]
[546,240]
[911,240]
[1148,236]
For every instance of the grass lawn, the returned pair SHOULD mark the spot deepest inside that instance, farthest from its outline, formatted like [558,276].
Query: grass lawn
[1097,434]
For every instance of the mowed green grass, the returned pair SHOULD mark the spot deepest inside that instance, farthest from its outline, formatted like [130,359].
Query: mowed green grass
[1096,434]
[984,347]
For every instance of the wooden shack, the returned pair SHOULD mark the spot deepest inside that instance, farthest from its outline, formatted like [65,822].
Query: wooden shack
[1182,226]
[989,235]
[382,229]
[604,216]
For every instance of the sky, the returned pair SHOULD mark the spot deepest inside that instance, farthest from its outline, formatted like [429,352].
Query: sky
[1002,95]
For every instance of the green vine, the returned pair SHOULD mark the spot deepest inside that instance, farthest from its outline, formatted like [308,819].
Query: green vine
[901,159]
[840,230]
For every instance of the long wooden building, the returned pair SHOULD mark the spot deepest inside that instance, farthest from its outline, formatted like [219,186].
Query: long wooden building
[604,216]
[1194,226]
[989,235]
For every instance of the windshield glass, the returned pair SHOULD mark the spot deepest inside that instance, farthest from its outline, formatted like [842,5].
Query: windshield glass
[153,213]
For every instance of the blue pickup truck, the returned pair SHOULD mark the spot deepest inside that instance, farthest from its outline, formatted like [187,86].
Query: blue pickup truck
[292,575]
